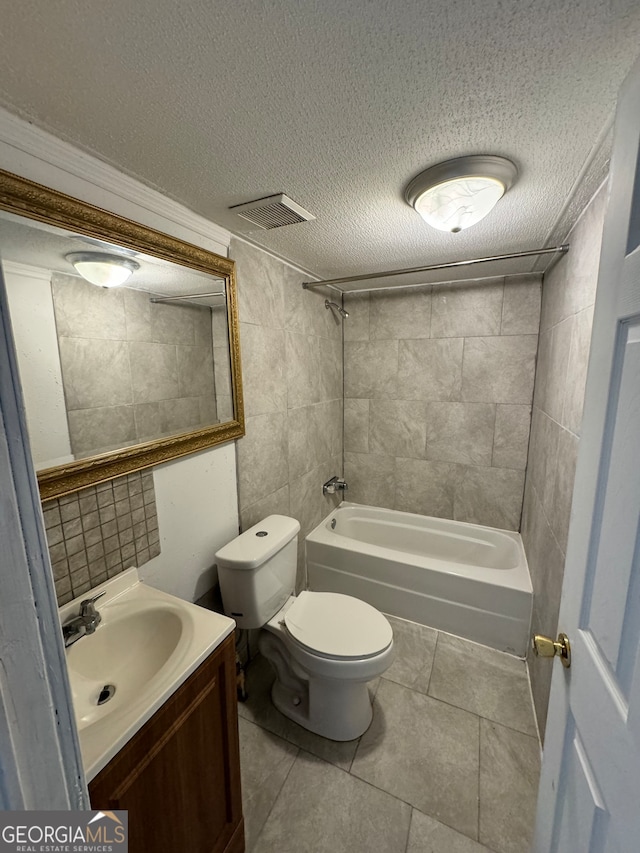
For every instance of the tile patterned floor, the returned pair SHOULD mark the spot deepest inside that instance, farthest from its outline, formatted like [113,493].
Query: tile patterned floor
[449,764]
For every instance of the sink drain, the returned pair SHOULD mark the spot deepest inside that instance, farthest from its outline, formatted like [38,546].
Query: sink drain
[106,693]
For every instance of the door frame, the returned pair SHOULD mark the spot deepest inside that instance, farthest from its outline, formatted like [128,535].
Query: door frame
[40,759]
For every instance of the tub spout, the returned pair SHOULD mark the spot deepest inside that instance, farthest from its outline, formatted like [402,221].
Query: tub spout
[335,484]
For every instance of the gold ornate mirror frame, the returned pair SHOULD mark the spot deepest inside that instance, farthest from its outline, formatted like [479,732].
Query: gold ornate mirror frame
[34,201]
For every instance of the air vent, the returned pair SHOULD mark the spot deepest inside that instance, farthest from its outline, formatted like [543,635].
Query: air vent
[273,211]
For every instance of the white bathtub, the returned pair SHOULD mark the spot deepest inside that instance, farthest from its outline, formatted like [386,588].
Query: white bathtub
[460,578]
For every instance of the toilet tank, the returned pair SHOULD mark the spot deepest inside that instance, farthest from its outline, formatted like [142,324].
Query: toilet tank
[257,570]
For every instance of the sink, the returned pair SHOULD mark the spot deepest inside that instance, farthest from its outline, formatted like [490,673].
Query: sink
[145,647]
[127,652]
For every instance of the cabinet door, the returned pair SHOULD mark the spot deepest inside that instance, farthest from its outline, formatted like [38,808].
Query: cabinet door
[179,776]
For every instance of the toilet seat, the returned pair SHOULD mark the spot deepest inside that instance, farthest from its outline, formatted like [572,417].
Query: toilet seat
[336,626]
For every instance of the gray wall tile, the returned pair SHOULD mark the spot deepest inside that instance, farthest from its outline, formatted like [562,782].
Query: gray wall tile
[370,368]
[543,456]
[577,370]
[195,371]
[154,371]
[222,371]
[330,369]
[562,495]
[511,438]
[260,286]
[305,310]
[371,478]
[155,353]
[172,324]
[476,381]
[559,342]
[428,370]
[356,425]
[474,308]
[359,307]
[426,488]
[302,370]
[460,432]
[499,369]
[148,420]
[262,457]
[567,310]
[400,314]
[521,306]
[86,311]
[84,550]
[179,415]
[491,496]
[263,373]
[326,429]
[86,383]
[397,428]
[275,503]
[301,454]
[99,429]
[293,389]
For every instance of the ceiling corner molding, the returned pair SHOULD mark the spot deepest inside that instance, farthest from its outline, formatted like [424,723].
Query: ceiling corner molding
[588,182]
[14,268]
[30,143]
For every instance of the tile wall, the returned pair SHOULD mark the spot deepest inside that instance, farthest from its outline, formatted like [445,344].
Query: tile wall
[568,296]
[438,383]
[160,379]
[292,380]
[221,365]
[100,531]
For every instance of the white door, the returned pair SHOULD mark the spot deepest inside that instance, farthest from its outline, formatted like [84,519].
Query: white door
[589,798]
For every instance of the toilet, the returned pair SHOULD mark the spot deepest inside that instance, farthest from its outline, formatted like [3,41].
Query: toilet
[324,646]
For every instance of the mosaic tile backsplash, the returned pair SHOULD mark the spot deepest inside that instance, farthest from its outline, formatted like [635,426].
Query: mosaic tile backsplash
[100,531]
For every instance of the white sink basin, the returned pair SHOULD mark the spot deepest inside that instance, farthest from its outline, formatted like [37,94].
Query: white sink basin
[146,645]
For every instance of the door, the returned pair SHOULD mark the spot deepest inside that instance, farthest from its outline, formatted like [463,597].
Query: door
[589,799]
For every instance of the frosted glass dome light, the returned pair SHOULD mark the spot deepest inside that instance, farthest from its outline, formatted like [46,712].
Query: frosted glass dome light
[458,193]
[101,269]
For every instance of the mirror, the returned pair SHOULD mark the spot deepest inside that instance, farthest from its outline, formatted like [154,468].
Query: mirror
[115,378]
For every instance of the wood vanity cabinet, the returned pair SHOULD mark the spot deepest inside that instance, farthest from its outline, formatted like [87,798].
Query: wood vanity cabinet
[179,776]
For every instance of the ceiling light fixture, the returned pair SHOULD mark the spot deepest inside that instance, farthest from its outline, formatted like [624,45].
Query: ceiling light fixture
[458,193]
[101,269]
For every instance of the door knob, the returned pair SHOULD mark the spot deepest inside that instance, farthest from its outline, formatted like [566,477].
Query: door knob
[545,647]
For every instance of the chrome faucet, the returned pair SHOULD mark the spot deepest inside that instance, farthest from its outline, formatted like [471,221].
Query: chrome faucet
[335,484]
[85,623]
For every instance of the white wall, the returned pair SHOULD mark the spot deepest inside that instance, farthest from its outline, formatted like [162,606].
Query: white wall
[196,496]
[197,503]
[34,331]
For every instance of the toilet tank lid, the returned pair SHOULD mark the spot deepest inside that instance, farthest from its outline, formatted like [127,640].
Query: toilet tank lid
[257,544]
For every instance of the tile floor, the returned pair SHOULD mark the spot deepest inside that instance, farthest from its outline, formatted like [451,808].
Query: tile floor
[449,764]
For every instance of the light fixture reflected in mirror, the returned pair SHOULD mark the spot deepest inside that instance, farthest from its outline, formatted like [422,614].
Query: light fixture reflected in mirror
[101,269]
[459,193]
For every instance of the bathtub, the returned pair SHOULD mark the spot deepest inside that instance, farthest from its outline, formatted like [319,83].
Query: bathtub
[461,578]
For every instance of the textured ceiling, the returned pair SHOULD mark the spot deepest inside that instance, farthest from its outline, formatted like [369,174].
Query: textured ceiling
[338,104]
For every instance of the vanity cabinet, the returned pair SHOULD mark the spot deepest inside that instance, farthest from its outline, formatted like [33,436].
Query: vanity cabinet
[179,776]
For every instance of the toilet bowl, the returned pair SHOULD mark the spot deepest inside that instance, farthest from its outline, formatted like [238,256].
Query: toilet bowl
[324,647]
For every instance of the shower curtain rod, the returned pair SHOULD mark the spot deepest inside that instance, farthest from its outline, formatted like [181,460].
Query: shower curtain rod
[184,296]
[332,282]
